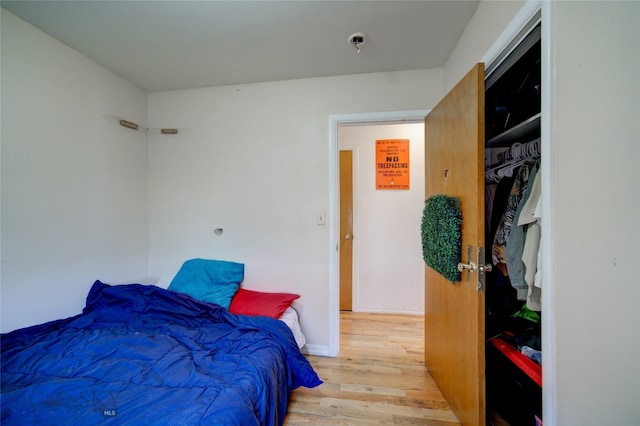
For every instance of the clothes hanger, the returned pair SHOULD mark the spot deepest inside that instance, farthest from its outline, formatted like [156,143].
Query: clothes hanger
[511,159]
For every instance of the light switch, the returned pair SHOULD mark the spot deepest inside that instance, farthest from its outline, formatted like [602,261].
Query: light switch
[321,217]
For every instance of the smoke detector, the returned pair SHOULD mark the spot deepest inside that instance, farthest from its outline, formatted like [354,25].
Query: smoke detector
[357,40]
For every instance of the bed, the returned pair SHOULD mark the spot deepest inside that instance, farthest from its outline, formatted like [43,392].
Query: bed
[141,354]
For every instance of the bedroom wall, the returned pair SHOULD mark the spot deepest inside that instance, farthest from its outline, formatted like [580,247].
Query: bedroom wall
[254,160]
[74,192]
[388,269]
[594,208]
[486,25]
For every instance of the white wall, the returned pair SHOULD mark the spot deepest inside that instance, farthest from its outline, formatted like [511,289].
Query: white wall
[387,249]
[486,25]
[254,160]
[74,204]
[595,207]
[590,368]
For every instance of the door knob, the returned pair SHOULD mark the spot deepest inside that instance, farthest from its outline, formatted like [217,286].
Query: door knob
[472,267]
[467,267]
[348,237]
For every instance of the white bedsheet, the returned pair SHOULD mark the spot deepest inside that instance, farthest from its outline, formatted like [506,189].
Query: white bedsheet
[290,317]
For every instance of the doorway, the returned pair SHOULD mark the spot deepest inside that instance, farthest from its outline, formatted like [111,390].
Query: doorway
[363,165]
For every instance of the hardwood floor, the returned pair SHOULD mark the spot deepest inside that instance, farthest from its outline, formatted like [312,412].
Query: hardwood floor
[379,377]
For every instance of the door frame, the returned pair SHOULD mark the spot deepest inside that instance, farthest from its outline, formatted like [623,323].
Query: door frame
[335,121]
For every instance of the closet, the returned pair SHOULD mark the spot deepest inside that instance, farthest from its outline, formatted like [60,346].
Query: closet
[512,235]
[484,133]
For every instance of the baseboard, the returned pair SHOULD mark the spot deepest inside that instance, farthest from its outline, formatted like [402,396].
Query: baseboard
[387,311]
[319,350]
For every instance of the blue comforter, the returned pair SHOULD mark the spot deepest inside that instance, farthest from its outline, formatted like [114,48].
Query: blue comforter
[140,354]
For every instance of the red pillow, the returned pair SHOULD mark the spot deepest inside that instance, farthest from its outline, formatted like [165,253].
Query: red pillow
[249,302]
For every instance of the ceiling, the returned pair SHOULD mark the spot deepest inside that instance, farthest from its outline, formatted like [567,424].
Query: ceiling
[180,44]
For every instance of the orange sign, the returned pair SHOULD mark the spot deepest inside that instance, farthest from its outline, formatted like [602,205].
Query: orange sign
[392,164]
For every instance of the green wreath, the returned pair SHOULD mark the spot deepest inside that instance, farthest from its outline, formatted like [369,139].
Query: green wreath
[442,235]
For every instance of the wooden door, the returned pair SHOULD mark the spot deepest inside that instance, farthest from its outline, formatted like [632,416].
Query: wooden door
[454,312]
[346,230]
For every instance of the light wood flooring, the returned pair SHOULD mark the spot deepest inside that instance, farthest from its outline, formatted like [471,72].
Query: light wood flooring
[379,377]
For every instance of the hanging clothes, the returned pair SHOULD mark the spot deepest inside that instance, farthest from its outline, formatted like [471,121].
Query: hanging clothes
[504,228]
[500,197]
[516,241]
[530,216]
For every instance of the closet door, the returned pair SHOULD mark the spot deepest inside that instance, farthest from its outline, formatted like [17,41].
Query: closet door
[454,312]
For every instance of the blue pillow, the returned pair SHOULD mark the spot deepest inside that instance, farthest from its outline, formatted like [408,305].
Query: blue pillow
[213,281]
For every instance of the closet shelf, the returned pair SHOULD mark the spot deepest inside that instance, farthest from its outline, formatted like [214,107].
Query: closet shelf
[528,366]
[517,133]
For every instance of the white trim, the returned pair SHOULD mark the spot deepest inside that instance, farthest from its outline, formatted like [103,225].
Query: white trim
[548,330]
[334,214]
[317,350]
[389,311]
[334,229]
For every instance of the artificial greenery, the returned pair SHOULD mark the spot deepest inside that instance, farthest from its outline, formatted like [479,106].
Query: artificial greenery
[442,235]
